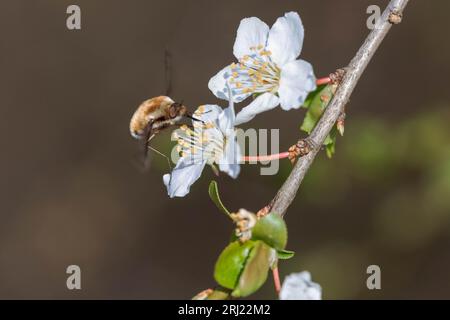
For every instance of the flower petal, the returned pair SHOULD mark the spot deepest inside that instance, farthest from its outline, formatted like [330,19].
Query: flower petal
[218,86]
[208,112]
[286,38]
[264,102]
[252,32]
[227,117]
[229,163]
[298,286]
[296,81]
[183,176]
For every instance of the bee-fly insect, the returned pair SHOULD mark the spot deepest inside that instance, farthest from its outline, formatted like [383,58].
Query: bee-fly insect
[155,115]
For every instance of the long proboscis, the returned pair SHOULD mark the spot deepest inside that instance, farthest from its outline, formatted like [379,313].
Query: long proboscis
[187,115]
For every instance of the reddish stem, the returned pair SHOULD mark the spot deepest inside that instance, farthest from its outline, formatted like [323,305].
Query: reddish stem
[321,81]
[269,157]
[276,280]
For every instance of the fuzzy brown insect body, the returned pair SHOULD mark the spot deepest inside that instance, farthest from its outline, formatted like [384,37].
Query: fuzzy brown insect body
[154,115]
[151,117]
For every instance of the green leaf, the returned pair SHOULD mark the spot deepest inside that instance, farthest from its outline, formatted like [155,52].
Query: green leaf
[330,142]
[272,230]
[316,102]
[312,96]
[213,191]
[218,294]
[231,263]
[285,254]
[330,150]
[309,122]
[255,271]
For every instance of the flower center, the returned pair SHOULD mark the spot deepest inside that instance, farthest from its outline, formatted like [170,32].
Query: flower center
[204,142]
[255,73]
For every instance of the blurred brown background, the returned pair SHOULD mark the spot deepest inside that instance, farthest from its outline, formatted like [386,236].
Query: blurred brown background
[71,193]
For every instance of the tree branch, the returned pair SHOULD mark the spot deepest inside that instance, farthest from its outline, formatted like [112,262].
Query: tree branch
[391,15]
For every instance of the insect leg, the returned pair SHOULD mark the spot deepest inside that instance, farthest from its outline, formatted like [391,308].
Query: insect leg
[167,158]
[161,154]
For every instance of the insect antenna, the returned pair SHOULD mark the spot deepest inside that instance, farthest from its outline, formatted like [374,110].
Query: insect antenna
[168,71]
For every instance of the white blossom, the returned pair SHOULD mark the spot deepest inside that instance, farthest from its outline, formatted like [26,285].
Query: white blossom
[212,141]
[267,67]
[298,286]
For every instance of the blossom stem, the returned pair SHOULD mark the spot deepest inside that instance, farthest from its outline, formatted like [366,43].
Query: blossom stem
[276,280]
[269,157]
[321,81]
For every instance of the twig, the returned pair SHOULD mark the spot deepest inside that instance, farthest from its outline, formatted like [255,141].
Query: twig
[391,15]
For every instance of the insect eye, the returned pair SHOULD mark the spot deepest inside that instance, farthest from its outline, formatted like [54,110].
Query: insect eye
[173,110]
